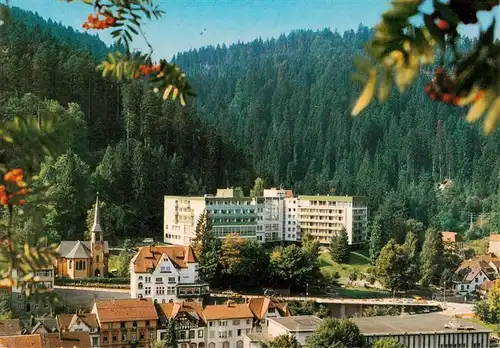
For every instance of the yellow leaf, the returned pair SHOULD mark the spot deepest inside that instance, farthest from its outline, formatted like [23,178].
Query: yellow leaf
[167,92]
[8,139]
[492,117]
[479,107]
[469,98]
[175,93]
[367,94]
[183,101]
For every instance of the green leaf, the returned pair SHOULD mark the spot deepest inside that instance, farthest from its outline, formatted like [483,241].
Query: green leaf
[132,29]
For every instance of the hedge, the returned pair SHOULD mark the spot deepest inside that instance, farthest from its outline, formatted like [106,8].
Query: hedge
[94,282]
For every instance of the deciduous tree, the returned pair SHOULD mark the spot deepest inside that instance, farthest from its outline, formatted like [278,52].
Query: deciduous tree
[333,331]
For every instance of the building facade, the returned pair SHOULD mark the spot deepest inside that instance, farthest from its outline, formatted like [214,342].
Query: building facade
[126,323]
[166,274]
[80,322]
[39,303]
[77,259]
[276,216]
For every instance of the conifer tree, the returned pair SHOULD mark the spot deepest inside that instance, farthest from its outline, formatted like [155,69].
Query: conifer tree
[376,241]
[431,258]
[339,247]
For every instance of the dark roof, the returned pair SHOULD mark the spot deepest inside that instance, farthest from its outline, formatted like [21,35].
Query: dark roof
[77,249]
[421,323]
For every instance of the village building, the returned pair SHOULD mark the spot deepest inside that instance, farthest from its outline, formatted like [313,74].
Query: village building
[227,324]
[80,322]
[126,322]
[166,274]
[473,273]
[300,327]
[38,305]
[84,259]
[189,322]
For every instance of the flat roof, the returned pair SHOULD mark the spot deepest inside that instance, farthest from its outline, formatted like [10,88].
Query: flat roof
[418,323]
[298,322]
[330,198]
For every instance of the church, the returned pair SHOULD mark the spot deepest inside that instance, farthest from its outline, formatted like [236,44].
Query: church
[84,259]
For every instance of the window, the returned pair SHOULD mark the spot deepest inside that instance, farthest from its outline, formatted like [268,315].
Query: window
[122,325]
[147,290]
[210,323]
[183,335]
[171,280]
[114,338]
[200,333]
[141,336]
[222,323]
[36,305]
[46,305]
[147,279]
[222,334]
[95,341]
[133,337]
[151,336]
[238,333]
[236,322]
[105,337]
[124,336]
[248,321]
[139,286]
[477,280]
[70,264]
[158,280]
[191,334]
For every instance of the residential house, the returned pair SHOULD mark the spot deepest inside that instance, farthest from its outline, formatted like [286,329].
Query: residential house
[473,273]
[39,303]
[126,322]
[227,324]
[44,325]
[189,321]
[485,288]
[84,259]
[80,322]
[166,274]
[301,327]
[264,308]
[10,327]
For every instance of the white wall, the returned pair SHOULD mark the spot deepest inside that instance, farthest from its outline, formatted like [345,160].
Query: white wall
[180,231]
[230,328]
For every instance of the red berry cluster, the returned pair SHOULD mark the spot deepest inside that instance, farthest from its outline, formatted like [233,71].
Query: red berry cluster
[442,88]
[145,70]
[95,21]
[14,188]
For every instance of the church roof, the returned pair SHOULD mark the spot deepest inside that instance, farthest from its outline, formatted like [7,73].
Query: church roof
[67,248]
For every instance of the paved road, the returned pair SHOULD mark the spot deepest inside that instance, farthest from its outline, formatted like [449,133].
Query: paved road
[458,308]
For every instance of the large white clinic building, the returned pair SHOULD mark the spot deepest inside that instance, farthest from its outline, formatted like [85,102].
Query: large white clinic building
[277,215]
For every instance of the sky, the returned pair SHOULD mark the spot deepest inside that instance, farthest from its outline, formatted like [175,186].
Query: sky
[229,21]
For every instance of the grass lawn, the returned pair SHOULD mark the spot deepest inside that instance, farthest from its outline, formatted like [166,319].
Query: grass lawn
[492,327]
[358,261]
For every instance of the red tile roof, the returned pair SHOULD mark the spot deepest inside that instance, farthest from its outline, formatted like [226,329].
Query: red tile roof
[21,341]
[125,310]
[67,340]
[227,311]
[149,257]
[449,237]
[495,237]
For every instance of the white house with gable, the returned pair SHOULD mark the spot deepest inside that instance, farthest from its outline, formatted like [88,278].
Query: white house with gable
[166,274]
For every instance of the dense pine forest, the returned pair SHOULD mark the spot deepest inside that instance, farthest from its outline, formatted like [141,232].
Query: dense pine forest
[124,142]
[279,109]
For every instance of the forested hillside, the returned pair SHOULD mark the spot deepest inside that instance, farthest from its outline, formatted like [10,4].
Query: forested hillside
[286,103]
[124,141]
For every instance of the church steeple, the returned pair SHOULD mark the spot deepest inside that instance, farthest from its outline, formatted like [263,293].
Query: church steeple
[96,231]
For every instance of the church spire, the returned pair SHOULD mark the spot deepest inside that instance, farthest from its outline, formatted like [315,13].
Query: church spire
[96,227]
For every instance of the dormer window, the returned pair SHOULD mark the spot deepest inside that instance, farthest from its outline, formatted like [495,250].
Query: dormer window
[140,278]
